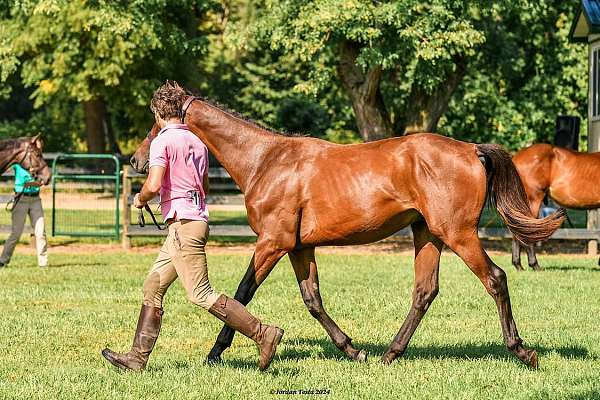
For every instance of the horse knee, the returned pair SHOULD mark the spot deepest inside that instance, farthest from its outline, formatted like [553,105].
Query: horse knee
[497,283]
[423,296]
[311,300]
[313,305]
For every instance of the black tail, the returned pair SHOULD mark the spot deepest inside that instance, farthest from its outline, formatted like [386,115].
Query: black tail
[505,190]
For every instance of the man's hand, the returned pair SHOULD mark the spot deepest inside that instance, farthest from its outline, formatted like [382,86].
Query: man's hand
[137,203]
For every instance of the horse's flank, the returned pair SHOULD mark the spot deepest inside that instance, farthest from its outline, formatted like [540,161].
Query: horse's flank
[566,176]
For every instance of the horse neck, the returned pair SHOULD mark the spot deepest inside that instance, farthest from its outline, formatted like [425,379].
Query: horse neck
[9,153]
[240,146]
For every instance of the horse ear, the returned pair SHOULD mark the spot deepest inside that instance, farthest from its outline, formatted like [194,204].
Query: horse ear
[37,140]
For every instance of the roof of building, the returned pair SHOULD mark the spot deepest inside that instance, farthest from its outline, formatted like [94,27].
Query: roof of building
[586,22]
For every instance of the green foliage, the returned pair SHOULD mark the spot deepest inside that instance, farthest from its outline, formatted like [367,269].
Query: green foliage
[277,61]
[261,83]
[416,43]
[525,75]
[522,72]
[116,50]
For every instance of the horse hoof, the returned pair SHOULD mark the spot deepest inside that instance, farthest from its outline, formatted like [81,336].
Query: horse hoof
[213,360]
[386,359]
[536,267]
[361,356]
[533,359]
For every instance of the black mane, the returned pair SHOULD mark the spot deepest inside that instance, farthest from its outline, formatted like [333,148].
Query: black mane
[237,115]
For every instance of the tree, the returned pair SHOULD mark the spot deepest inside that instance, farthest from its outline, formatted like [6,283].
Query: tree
[398,61]
[407,66]
[524,75]
[107,55]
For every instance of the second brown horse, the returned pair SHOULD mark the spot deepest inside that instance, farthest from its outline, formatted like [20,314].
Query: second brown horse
[303,192]
[568,177]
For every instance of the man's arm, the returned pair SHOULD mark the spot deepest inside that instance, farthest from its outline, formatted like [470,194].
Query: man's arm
[151,187]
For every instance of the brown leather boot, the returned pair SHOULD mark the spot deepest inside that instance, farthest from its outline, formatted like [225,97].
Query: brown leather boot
[236,316]
[146,333]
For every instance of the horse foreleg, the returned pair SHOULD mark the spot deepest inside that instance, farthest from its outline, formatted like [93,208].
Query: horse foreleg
[493,278]
[427,260]
[516,254]
[305,268]
[244,293]
[262,263]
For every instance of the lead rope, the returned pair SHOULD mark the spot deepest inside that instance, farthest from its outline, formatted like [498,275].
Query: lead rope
[12,203]
[142,221]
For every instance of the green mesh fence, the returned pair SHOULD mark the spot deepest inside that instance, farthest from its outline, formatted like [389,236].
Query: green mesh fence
[86,195]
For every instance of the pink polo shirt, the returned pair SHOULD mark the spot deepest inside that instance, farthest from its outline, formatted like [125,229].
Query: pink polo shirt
[185,159]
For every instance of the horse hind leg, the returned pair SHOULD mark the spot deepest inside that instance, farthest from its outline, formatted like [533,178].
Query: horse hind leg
[516,254]
[468,247]
[535,205]
[532,258]
[427,260]
[305,268]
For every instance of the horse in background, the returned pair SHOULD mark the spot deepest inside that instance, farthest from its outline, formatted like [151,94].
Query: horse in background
[570,178]
[303,192]
[27,152]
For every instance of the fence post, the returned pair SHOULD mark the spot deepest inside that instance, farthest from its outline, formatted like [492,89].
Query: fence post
[125,239]
[592,224]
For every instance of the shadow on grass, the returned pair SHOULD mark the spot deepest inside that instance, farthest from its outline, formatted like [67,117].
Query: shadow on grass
[73,264]
[577,268]
[275,369]
[587,395]
[467,351]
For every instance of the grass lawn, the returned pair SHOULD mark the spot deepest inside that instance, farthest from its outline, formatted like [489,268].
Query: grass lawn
[56,321]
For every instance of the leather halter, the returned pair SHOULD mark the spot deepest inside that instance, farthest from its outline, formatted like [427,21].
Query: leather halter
[186,104]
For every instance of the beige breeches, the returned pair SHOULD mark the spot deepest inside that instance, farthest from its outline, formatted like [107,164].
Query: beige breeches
[182,255]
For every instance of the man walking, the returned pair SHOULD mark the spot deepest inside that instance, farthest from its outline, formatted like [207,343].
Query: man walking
[26,202]
[178,169]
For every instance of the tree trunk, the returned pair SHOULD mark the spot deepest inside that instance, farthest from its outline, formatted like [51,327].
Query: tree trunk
[371,116]
[95,125]
[113,146]
[424,110]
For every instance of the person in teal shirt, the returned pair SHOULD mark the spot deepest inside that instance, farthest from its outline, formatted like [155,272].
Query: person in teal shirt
[24,182]
[27,202]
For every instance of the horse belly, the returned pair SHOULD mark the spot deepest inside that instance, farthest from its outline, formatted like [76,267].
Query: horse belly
[354,229]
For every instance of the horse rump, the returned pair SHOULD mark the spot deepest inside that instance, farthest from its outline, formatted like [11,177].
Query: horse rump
[505,191]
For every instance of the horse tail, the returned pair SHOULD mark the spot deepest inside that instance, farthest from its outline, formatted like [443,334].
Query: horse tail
[505,191]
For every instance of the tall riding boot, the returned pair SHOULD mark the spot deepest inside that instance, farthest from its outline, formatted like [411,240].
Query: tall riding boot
[235,315]
[145,337]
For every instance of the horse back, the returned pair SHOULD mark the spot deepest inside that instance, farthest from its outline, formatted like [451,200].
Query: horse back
[361,193]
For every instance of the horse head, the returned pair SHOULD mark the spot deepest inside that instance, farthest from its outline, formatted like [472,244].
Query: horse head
[29,156]
[139,160]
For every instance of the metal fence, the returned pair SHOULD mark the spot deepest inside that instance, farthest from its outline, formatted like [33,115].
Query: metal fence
[85,195]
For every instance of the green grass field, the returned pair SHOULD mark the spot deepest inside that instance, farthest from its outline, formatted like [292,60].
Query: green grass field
[56,321]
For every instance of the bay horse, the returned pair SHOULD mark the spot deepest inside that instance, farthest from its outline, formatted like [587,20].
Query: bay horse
[568,177]
[303,192]
[26,151]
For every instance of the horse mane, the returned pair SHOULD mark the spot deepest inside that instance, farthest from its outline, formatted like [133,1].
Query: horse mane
[11,143]
[242,117]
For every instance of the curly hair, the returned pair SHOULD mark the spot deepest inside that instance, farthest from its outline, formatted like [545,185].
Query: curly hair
[168,100]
